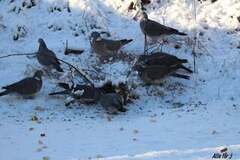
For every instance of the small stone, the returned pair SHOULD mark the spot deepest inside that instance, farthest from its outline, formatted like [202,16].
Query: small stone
[224,150]
[154,115]
[201,33]
[109,118]
[177,46]
[39,150]
[40,142]
[34,118]
[39,108]
[135,131]
[99,156]
[42,134]
[121,129]
[31,129]
[214,132]
[134,139]
[46,158]
[153,120]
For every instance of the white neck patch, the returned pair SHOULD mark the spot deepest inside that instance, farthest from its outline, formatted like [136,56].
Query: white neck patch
[38,78]
[99,39]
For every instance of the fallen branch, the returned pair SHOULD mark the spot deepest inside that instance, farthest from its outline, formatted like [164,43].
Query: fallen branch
[18,54]
[85,77]
[72,51]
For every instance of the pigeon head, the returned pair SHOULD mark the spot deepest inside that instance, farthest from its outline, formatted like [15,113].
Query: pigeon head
[144,16]
[142,58]
[42,44]
[38,74]
[95,35]
[138,67]
[40,40]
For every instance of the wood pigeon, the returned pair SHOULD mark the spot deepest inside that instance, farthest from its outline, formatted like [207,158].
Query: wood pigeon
[46,57]
[155,30]
[163,59]
[112,102]
[155,73]
[26,87]
[106,48]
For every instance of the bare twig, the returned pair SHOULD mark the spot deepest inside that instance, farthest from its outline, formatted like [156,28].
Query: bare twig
[195,36]
[86,26]
[85,77]
[19,54]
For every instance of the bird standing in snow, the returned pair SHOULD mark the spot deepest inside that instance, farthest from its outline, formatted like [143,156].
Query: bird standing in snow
[46,57]
[106,48]
[155,73]
[26,87]
[162,59]
[154,30]
[112,102]
[152,68]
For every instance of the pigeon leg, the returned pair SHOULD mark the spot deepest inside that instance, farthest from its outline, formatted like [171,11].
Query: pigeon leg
[161,44]
[159,47]
[145,44]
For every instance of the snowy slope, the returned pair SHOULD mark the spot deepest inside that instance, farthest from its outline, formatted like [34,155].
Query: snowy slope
[179,120]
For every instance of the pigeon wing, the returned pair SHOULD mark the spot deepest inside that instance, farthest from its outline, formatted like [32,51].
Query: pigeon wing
[153,28]
[26,86]
[112,45]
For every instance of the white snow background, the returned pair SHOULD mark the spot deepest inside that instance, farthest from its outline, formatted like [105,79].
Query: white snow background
[180,120]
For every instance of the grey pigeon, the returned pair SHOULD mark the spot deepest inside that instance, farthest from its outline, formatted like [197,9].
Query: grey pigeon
[155,30]
[155,73]
[113,103]
[46,57]
[163,59]
[106,47]
[26,87]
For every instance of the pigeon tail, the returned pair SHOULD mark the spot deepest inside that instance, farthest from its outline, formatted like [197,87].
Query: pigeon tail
[183,60]
[58,68]
[126,41]
[64,86]
[122,109]
[180,76]
[186,69]
[59,93]
[181,33]
[4,93]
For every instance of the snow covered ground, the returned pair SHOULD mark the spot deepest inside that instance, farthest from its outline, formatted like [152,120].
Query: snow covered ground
[179,120]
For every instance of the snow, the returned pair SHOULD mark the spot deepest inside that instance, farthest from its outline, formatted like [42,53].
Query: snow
[179,120]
